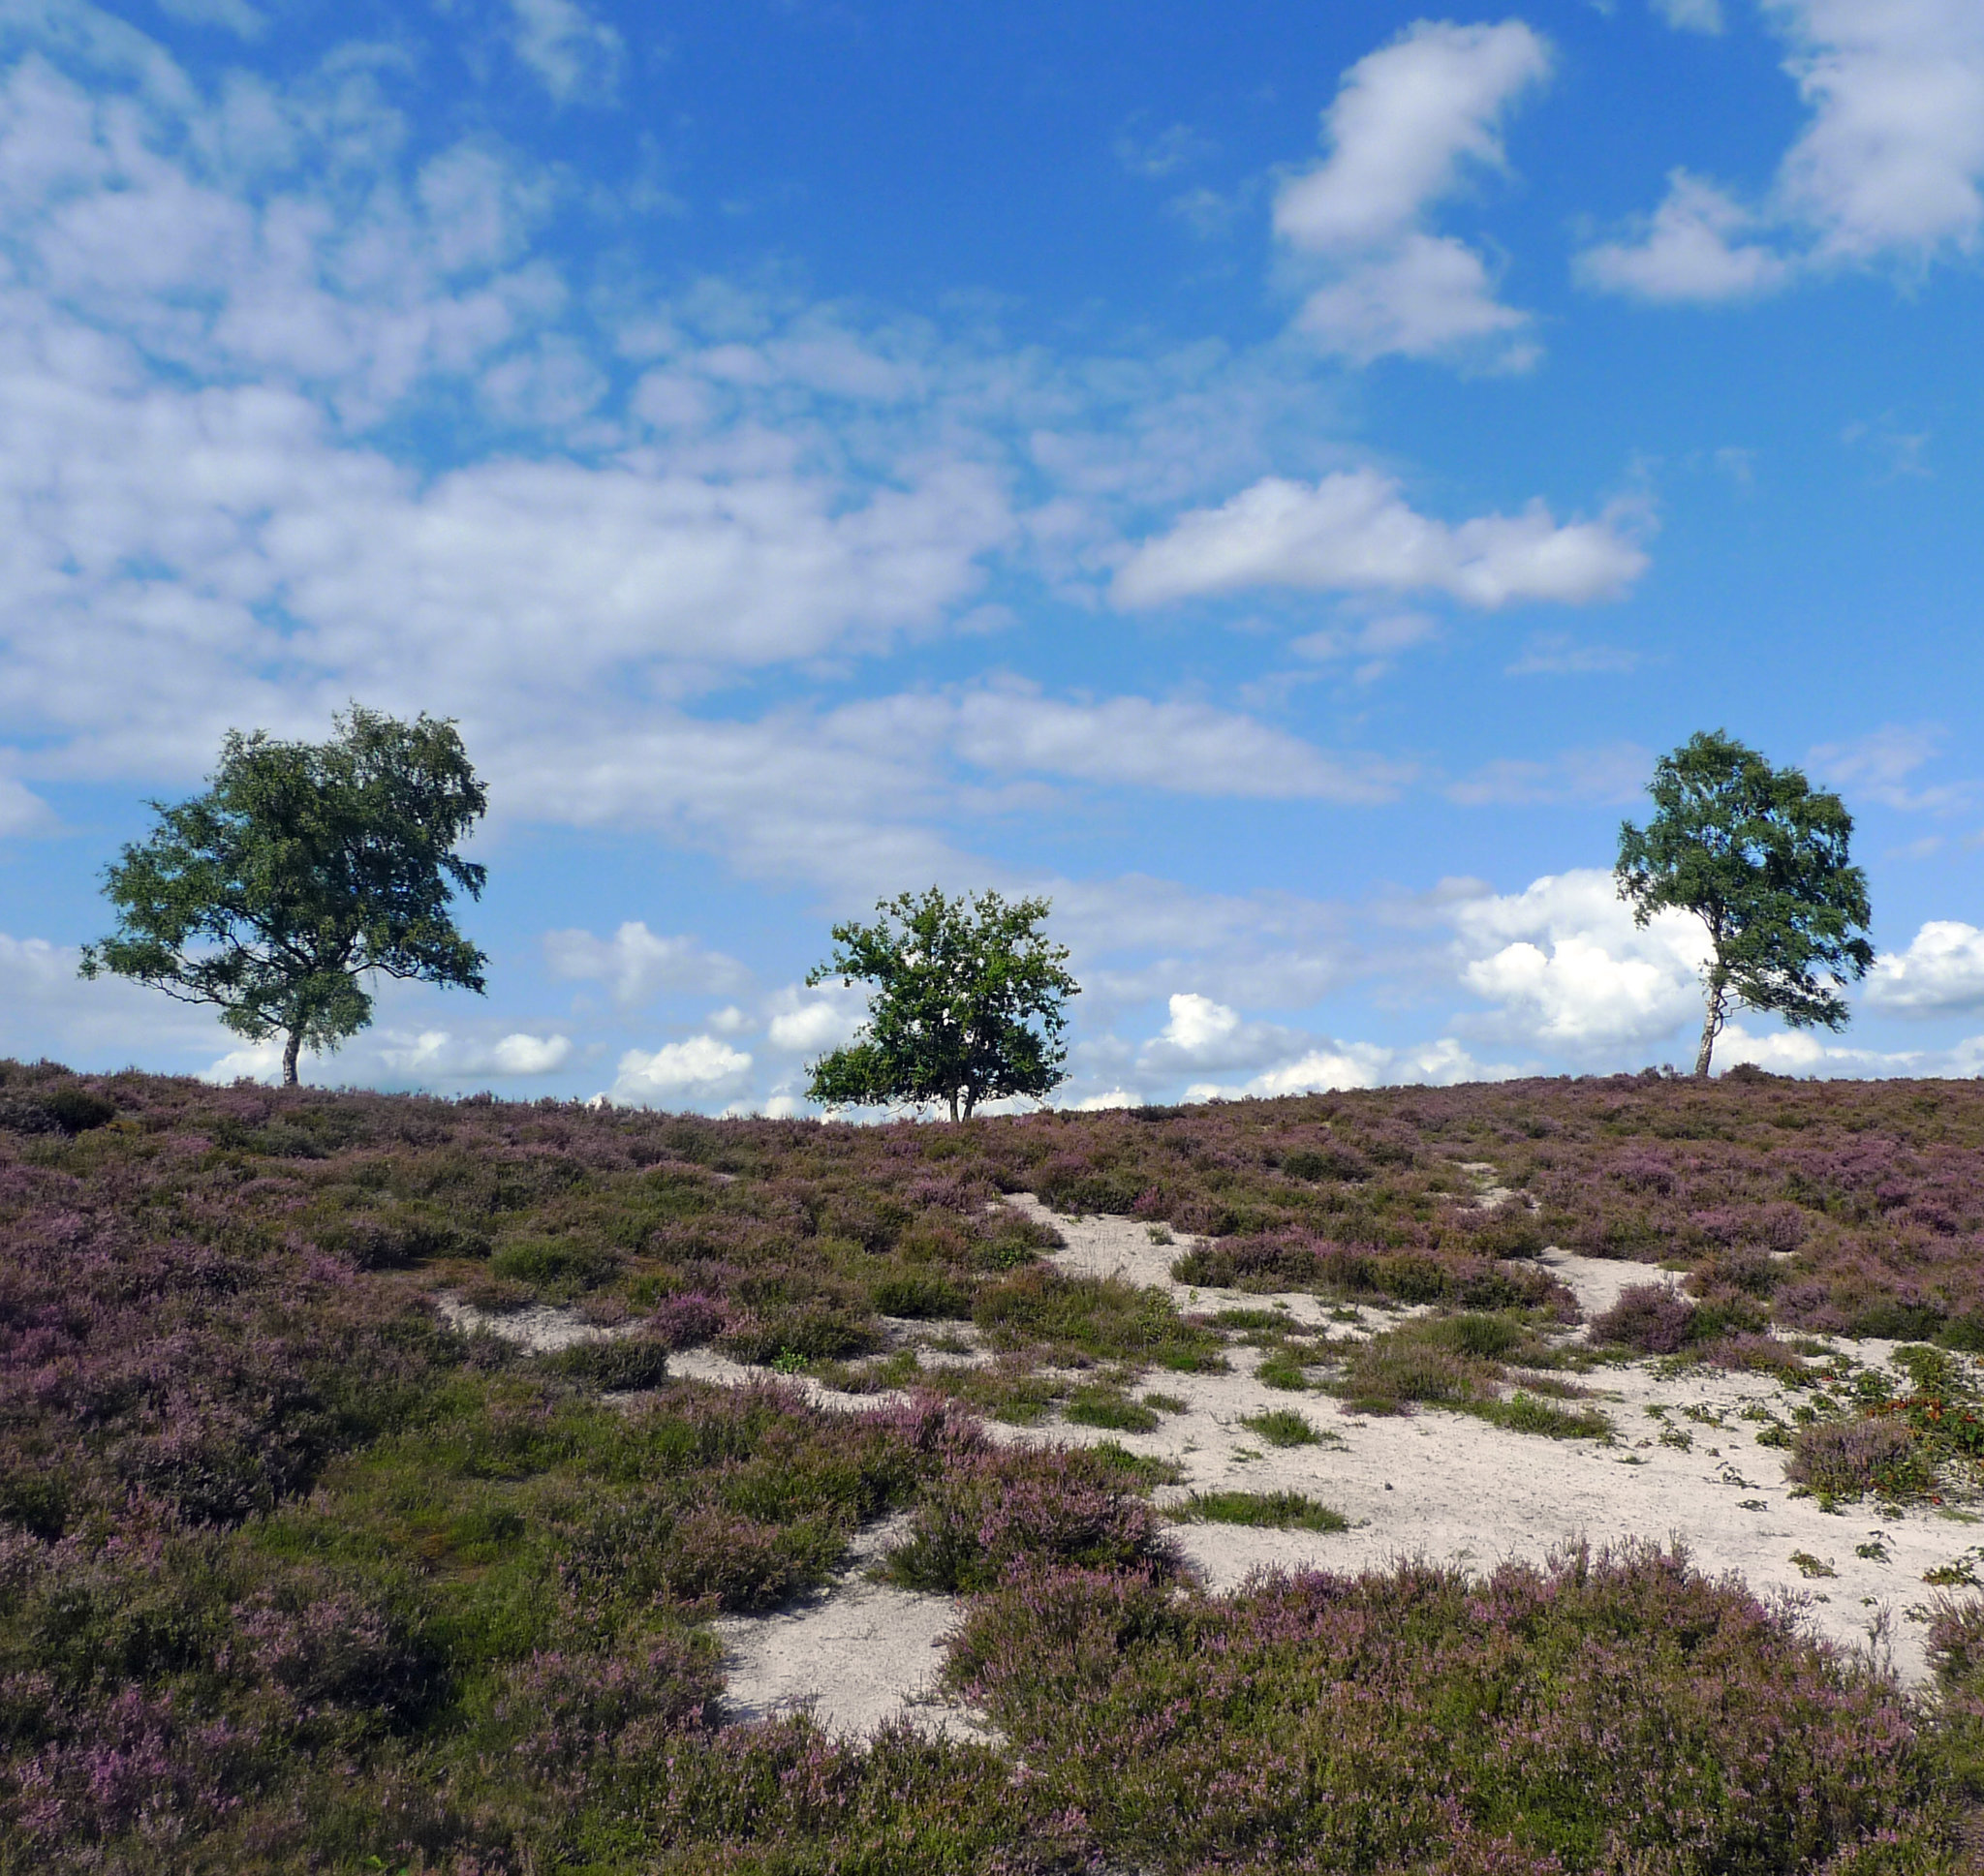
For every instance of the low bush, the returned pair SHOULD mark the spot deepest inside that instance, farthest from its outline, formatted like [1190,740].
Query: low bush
[555,1268]
[1849,1458]
[993,1511]
[1651,1318]
[1607,1713]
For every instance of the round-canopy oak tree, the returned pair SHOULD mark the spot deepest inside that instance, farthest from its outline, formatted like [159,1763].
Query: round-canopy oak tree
[1760,858]
[960,986]
[301,868]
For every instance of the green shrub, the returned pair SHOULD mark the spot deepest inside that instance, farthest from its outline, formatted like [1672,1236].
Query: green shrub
[1282,1426]
[920,1294]
[1111,1408]
[553,1267]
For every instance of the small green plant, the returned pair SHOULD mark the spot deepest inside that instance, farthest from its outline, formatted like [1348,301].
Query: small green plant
[1811,1566]
[1109,1407]
[1160,1235]
[1958,1573]
[1165,1402]
[1264,1510]
[1282,1426]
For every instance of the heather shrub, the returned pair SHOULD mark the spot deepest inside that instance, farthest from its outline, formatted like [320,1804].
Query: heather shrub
[1319,1163]
[923,1295]
[1652,1318]
[1847,1458]
[686,1321]
[620,1365]
[1607,1713]
[803,1331]
[994,1511]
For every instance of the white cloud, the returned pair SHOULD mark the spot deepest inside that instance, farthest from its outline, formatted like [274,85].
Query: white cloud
[1691,15]
[1430,295]
[1201,1035]
[578,57]
[1355,531]
[701,1069]
[1690,250]
[437,1054]
[1188,748]
[1571,970]
[1801,1051]
[1355,1065]
[1893,158]
[1108,1100]
[638,965]
[23,811]
[1890,165]
[1407,124]
[1941,970]
[812,1021]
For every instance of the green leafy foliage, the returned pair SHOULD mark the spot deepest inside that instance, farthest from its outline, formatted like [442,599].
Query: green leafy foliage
[969,1005]
[302,868]
[1761,858]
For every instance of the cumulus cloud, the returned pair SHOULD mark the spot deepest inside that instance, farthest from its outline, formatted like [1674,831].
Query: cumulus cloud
[1354,1065]
[1409,124]
[1893,158]
[1890,165]
[638,965]
[1943,971]
[810,1021]
[1201,1033]
[1692,248]
[577,56]
[1569,971]
[437,1054]
[703,1068]
[1355,531]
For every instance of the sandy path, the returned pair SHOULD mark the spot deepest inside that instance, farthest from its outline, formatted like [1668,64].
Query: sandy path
[1435,1484]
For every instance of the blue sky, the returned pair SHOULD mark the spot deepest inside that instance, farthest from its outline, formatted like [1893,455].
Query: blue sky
[1271,477]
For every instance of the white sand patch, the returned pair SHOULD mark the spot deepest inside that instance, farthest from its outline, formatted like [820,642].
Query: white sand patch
[541,1328]
[855,1656]
[1598,1282]
[1435,1484]
[1117,1246]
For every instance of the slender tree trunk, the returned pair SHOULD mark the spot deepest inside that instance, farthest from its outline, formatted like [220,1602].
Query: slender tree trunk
[290,1051]
[954,1107]
[1712,1026]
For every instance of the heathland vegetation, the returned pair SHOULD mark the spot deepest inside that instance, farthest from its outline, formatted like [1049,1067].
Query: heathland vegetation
[295,1575]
